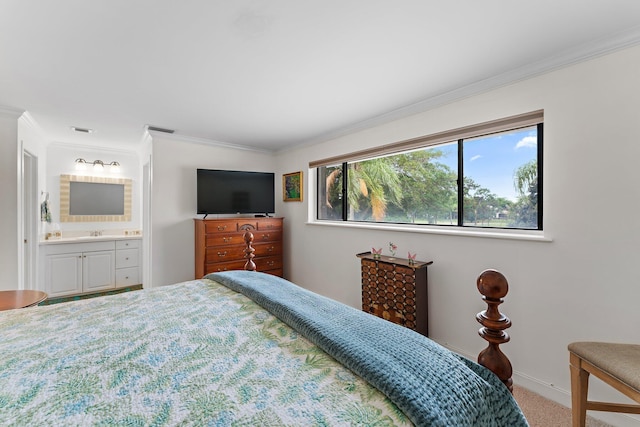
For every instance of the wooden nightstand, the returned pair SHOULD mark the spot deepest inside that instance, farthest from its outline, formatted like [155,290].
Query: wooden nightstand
[20,299]
[396,290]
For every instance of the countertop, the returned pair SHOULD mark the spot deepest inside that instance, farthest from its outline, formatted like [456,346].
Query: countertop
[85,239]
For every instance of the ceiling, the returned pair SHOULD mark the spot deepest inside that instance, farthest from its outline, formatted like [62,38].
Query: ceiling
[272,74]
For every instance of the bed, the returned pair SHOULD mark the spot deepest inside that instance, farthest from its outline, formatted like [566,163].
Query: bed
[239,348]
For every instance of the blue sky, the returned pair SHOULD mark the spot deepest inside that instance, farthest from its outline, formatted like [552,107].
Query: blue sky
[492,160]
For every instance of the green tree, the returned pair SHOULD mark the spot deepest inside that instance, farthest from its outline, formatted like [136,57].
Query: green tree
[525,176]
[525,181]
[372,185]
[427,186]
[481,206]
[332,206]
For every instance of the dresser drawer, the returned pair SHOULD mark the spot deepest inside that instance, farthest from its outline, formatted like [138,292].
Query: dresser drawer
[127,258]
[224,253]
[267,236]
[267,249]
[224,238]
[220,226]
[268,263]
[224,266]
[269,224]
[127,276]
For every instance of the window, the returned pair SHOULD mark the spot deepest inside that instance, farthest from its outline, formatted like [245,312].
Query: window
[490,177]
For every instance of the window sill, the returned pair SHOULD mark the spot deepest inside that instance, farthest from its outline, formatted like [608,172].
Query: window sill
[487,233]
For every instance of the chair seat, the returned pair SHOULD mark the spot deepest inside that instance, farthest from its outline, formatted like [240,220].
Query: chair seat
[621,361]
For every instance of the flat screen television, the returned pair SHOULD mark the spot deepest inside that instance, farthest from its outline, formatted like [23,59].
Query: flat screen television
[235,192]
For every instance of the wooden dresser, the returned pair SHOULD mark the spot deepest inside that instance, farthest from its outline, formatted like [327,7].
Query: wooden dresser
[396,290]
[220,245]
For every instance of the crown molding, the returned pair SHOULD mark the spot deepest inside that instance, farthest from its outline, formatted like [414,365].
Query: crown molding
[101,148]
[569,57]
[10,112]
[205,141]
[28,121]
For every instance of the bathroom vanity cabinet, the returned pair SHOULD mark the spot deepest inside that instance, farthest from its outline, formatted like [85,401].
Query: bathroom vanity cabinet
[86,266]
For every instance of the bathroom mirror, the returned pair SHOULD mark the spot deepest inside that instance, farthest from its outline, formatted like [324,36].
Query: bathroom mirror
[94,199]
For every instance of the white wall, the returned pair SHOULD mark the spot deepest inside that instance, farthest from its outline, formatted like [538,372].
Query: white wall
[173,199]
[9,196]
[584,285]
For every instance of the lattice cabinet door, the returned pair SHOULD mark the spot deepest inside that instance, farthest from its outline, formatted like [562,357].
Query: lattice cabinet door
[395,289]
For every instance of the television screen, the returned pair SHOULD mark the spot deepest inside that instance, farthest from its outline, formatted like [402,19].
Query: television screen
[233,192]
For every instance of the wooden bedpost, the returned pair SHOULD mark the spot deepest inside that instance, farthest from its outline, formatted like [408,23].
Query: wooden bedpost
[494,286]
[249,251]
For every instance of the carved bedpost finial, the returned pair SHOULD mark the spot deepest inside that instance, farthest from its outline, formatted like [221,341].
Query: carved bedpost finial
[494,286]
[248,251]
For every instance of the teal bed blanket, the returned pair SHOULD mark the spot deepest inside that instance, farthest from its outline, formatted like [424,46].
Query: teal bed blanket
[233,349]
[430,384]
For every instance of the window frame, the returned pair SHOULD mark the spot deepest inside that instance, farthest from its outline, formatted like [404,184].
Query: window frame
[512,123]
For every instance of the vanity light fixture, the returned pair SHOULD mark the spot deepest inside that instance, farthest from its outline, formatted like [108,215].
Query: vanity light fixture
[81,164]
[98,165]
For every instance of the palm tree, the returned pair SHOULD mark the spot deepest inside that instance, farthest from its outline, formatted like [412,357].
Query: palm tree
[371,184]
[525,176]
[525,181]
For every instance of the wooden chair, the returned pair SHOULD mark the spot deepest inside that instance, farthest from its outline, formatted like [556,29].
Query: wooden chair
[616,364]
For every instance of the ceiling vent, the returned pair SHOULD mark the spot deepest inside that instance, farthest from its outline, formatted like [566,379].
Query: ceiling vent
[81,130]
[159,129]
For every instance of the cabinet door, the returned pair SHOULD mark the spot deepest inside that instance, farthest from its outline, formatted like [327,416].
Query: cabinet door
[98,270]
[63,274]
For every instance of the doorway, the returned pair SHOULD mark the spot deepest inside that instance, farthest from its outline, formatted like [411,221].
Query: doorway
[30,210]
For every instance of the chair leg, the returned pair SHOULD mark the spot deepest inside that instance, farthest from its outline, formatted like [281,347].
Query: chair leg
[579,391]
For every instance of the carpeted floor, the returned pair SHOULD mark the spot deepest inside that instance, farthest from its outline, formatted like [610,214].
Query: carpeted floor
[541,412]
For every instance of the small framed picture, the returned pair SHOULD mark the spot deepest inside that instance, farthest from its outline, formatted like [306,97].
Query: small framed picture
[292,187]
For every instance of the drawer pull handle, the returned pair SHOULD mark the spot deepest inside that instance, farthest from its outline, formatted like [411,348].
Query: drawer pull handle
[222,269]
[227,239]
[271,263]
[265,236]
[222,254]
[126,259]
[270,249]
[126,277]
[222,227]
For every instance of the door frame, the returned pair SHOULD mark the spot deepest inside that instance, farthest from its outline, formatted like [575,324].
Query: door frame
[27,219]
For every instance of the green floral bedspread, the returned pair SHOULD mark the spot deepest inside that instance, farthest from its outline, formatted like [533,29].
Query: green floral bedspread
[195,353]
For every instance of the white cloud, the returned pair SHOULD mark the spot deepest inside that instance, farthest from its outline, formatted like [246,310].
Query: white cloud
[527,142]
[475,157]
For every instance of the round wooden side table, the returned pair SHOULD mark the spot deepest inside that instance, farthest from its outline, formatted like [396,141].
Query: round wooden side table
[20,299]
